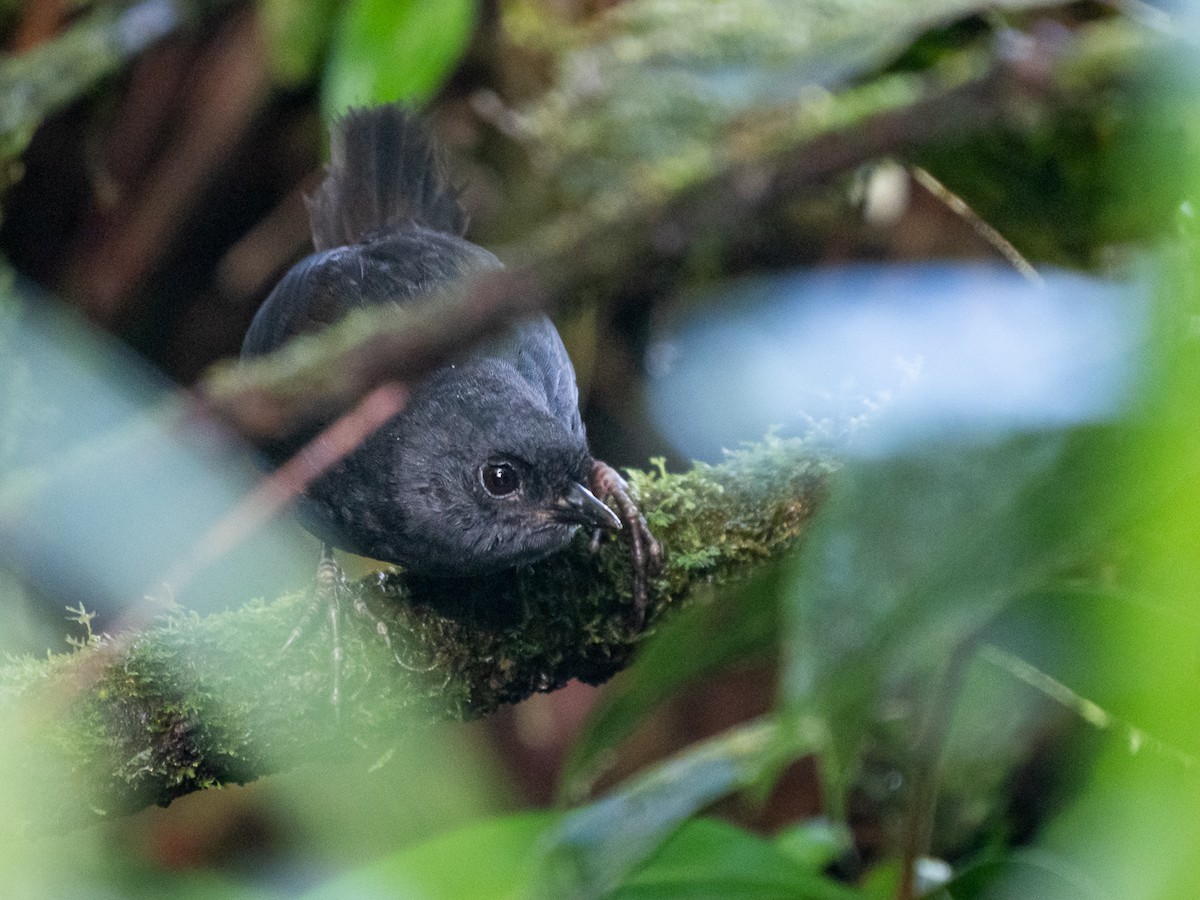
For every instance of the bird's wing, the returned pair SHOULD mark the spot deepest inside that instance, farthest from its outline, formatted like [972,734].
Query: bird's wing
[406,265]
[537,353]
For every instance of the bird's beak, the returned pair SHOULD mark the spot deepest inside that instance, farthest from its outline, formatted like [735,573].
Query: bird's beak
[579,506]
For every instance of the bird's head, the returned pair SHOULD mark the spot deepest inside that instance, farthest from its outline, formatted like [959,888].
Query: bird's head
[486,476]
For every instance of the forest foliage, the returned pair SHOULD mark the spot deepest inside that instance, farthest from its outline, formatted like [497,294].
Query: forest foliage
[909,297]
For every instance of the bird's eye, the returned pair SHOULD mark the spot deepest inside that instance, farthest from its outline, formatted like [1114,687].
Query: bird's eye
[499,479]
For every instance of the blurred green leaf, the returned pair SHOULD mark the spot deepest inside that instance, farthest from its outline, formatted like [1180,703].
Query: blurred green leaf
[913,556]
[386,50]
[94,466]
[813,844]
[1047,640]
[708,859]
[707,637]
[298,33]
[1019,875]
[593,849]
[1135,830]
[486,859]
[150,885]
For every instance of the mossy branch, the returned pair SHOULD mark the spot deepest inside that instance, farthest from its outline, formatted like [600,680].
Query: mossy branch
[195,702]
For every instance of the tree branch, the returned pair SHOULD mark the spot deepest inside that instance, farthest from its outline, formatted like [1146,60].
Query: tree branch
[195,702]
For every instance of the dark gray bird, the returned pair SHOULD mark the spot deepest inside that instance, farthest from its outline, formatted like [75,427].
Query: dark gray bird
[487,467]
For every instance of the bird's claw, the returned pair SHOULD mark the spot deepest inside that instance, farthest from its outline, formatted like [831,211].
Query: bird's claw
[327,596]
[645,551]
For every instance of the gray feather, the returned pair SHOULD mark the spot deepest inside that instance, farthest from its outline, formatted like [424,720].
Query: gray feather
[384,171]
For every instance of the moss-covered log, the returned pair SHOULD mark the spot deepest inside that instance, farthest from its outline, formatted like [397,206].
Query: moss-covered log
[194,702]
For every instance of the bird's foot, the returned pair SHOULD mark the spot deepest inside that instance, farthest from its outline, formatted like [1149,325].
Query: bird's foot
[645,552]
[329,591]
[327,599]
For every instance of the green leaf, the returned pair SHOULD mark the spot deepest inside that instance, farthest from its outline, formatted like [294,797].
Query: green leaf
[708,858]
[1048,639]
[484,859]
[1135,829]
[593,849]
[708,636]
[386,50]
[814,844]
[1023,873]
[915,555]
[298,33]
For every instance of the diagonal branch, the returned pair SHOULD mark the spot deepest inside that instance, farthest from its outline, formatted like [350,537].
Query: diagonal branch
[594,252]
[195,702]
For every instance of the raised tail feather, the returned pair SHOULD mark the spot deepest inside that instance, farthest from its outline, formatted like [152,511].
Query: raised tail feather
[384,170]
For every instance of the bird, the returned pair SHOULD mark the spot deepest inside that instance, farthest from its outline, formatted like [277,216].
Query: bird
[487,466]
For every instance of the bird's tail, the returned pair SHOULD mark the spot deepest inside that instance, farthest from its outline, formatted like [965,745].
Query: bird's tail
[384,170]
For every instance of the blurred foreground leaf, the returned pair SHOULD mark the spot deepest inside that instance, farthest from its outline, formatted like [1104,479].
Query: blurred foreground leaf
[719,630]
[915,555]
[708,858]
[1135,829]
[592,850]
[486,859]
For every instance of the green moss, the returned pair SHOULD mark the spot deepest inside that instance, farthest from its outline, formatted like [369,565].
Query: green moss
[194,702]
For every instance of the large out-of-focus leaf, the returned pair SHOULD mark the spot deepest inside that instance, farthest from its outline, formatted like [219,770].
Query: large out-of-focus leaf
[881,358]
[103,490]
[1047,640]
[103,487]
[740,623]
[19,629]
[387,50]
[965,397]
[592,850]
[1135,829]
[915,555]
[707,858]
[487,859]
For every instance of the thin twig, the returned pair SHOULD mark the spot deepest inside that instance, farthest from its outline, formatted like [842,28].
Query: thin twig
[283,485]
[962,209]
